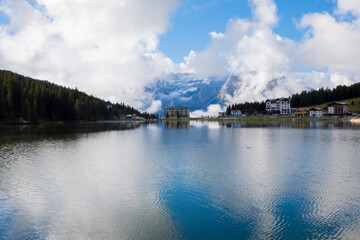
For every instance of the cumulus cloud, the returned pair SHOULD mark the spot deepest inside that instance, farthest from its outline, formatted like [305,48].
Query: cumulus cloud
[333,44]
[216,35]
[345,6]
[212,110]
[106,48]
[251,47]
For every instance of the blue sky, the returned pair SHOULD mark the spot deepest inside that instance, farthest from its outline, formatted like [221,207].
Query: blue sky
[194,20]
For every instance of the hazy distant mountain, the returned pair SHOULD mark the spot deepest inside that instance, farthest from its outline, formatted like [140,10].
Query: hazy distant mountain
[232,84]
[189,90]
[185,89]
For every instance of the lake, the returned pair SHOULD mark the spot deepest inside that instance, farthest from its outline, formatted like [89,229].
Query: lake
[180,180]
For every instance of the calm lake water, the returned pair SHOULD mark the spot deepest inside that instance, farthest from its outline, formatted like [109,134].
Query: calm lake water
[197,180]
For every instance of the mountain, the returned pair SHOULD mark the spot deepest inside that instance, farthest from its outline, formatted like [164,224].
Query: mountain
[232,84]
[197,93]
[187,90]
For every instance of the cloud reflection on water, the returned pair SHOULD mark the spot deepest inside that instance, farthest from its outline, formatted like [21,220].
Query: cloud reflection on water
[212,180]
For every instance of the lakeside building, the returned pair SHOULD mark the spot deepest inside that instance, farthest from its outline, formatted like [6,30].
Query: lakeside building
[338,108]
[301,112]
[316,112]
[177,113]
[222,114]
[236,113]
[280,106]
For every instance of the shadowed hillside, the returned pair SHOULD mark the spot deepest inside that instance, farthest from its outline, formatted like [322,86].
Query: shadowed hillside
[34,100]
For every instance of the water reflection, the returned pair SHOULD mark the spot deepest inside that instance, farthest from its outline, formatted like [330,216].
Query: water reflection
[279,124]
[33,132]
[211,181]
[177,124]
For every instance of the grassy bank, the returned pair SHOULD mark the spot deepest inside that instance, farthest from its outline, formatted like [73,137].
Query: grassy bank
[353,108]
[269,119]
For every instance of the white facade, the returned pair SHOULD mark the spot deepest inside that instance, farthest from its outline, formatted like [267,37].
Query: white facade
[222,114]
[316,112]
[236,113]
[281,105]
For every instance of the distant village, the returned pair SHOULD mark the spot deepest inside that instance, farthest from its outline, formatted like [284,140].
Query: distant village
[282,107]
[274,107]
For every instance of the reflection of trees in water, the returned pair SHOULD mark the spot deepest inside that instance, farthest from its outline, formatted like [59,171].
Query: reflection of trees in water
[295,124]
[61,131]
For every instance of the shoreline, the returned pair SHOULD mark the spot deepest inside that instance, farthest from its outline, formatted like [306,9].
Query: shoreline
[74,122]
[241,119]
[355,120]
[274,119]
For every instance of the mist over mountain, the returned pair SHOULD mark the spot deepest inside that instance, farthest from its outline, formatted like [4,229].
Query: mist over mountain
[186,90]
[198,93]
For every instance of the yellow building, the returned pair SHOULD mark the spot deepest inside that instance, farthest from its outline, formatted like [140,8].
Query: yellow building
[301,112]
[177,113]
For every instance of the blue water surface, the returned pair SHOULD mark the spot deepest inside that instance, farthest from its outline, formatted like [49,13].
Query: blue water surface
[180,180]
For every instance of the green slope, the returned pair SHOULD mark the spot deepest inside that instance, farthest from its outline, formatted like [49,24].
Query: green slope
[353,108]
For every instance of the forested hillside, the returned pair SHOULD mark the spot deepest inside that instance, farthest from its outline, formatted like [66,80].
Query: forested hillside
[316,97]
[34,100]
[306,98]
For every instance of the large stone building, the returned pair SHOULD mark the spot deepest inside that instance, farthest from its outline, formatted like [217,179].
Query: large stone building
[338,108]
[278,106]
[177,113]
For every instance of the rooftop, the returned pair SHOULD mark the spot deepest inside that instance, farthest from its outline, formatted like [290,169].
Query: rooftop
[339,103]
[177,108]
[277,99]
[315,109]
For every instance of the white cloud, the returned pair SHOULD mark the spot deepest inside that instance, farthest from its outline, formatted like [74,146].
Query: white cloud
[329,48]
[248,47]
[264,12]
[106,48]
[345,6]
[332,44]
[155,106]
[216,35]
[212,111]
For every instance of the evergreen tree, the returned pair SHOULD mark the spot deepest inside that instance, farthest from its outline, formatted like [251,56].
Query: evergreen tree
[228,110]
[35,116]
[49,101]
[27,110]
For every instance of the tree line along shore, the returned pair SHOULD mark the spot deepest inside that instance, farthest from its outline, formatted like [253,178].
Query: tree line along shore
[23,99]
[312,98]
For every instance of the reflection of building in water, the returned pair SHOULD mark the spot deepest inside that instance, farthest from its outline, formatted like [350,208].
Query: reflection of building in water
[177,112]
[177,124]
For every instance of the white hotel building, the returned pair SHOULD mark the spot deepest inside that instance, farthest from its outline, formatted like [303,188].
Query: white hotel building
[279,106]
